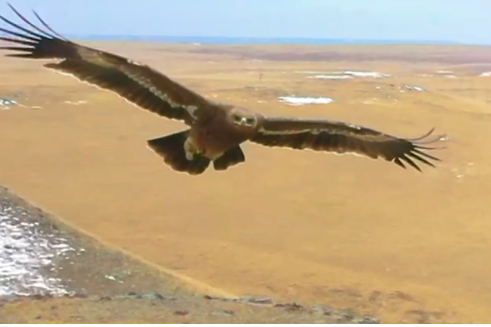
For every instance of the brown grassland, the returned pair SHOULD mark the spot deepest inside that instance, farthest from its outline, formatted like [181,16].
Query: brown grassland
[313,227]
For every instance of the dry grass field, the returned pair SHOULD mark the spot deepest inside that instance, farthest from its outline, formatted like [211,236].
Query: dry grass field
[313,227]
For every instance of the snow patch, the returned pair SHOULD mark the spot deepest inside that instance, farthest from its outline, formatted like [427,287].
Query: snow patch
[366,74]
[343,74]
[411,88]
[330,77]
[5,104]
[76,103]
[299,101]
[26,253]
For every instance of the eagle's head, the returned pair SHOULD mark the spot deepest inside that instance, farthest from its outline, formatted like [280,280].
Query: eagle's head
[243,118]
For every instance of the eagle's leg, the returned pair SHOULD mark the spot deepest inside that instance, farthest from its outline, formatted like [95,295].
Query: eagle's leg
[229,158]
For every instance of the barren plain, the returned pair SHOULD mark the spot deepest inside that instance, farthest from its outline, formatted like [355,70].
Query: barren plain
[299,226]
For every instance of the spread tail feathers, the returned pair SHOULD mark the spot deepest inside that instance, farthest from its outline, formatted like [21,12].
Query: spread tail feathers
[171,149]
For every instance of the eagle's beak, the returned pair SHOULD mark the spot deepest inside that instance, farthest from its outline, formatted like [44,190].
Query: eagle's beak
[243,121]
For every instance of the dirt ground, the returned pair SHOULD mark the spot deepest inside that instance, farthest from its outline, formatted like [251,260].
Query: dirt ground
[102,285]
[316,228]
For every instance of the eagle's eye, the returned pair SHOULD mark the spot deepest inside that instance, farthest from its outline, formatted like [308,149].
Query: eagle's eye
[236,118]
[242,120]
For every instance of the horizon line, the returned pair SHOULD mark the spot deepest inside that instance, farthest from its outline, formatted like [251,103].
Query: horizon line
[256,39]
[260,40]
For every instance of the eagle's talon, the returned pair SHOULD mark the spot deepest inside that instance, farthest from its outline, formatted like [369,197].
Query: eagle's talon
[189,156]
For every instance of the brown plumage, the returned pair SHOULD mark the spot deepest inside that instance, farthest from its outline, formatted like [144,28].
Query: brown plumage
[215,130]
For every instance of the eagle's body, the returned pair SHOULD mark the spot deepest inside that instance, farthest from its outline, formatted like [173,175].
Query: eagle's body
[215,130]
[214,133]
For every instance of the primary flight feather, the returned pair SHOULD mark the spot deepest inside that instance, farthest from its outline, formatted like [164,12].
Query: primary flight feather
[215,130]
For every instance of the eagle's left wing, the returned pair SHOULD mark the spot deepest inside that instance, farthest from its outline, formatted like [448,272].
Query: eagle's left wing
[339,137]
[136,82]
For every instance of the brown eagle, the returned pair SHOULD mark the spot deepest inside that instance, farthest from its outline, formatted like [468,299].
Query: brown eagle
[215,130]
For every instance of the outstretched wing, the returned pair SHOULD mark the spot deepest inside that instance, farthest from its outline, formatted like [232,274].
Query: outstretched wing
[341,138]
[137,83]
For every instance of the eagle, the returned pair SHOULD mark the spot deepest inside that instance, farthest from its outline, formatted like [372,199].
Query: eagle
[215,131]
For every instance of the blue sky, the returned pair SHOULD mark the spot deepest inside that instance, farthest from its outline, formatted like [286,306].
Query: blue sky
[466,21]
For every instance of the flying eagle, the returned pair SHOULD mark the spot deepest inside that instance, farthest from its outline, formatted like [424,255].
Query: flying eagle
[216,130]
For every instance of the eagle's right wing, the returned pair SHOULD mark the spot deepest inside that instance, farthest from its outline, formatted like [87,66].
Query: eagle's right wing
[135,82]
